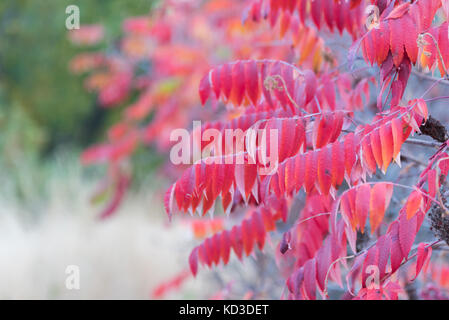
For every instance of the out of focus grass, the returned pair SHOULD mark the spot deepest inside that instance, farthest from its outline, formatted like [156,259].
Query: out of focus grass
[53,225]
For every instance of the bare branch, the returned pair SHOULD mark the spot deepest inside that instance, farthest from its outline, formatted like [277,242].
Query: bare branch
[430,78]
[423,143]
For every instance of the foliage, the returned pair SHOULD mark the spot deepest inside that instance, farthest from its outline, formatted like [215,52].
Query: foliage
[330,204]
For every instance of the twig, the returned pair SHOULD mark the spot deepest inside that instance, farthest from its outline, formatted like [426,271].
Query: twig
[330,267]
[423,143]
[430,78]
[411,158]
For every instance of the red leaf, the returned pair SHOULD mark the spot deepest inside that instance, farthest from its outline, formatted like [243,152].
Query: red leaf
[362,204]
[238,83]
[247,237]
[423,257]
[225,246]
[193,261]
[236,241]
[226,80]
[310,279]
[259,229]
[407,233]
[396,251]
[252,81]
[204,89]
[399,11]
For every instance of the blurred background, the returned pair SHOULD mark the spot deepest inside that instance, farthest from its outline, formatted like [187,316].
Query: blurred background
[47,218]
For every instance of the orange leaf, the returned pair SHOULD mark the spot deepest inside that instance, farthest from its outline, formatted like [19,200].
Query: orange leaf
[414,202]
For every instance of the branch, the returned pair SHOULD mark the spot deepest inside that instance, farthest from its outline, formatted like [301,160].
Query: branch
[423,143]
[410,158]
[430,78]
